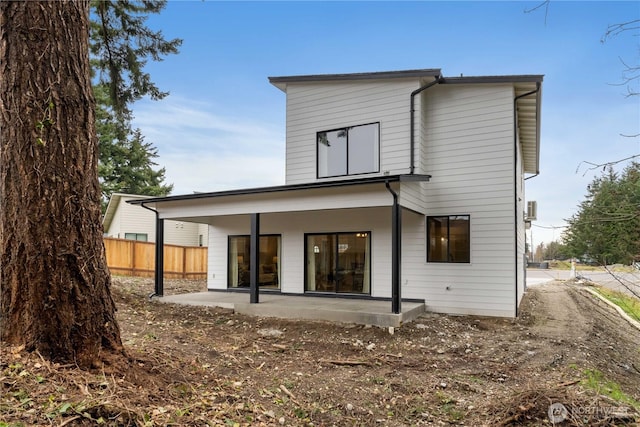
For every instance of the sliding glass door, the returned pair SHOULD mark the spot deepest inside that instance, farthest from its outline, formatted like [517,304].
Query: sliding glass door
[338,262]
[239,273]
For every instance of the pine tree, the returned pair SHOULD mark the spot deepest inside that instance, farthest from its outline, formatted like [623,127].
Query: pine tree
[606,227]
[121,45]
[125,162]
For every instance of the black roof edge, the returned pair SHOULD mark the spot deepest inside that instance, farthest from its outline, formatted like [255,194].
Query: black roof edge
[426,72]
[525,78]
[289,187]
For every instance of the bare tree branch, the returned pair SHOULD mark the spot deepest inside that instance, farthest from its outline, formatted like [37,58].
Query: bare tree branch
[614,30]
[544,4]
[603,165]
[630,73]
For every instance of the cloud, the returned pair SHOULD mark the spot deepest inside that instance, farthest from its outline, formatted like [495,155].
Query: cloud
[204,149]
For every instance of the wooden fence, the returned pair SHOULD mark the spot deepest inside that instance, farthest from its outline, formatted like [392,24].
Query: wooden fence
[133,258]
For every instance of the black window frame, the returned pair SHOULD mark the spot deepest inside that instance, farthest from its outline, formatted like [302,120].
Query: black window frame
[337,234]
[279,266]
[468,233]
[346,128]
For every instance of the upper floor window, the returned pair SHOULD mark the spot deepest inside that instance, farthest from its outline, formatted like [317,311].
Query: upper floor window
[448,239]
[349,151]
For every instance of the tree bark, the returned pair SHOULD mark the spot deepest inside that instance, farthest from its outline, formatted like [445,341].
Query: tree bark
[54,281]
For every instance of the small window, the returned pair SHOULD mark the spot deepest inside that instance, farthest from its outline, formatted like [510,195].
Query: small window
[448,239]
[349,151]
[141,237]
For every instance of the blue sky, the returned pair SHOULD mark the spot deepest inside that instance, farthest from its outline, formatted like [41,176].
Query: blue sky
[223,124]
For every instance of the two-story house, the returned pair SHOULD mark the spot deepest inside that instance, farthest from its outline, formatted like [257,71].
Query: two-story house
[399,185]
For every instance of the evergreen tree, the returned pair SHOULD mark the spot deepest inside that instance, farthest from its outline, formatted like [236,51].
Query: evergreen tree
[130,168]
[125,161]
[606,227]
[121,44]
[555,250]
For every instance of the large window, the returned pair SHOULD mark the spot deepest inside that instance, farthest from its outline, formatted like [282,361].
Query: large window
[339,262]
[349,151]
[448,239]
[240,262]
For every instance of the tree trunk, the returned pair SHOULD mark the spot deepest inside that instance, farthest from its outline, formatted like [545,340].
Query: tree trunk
[54,282]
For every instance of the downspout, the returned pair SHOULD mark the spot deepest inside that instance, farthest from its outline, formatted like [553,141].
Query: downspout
[159,257]
[515,181]
[412,143]
[396,294]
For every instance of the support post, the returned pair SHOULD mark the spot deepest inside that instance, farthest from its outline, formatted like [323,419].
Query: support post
[254,259]
[159,273]
[396,244]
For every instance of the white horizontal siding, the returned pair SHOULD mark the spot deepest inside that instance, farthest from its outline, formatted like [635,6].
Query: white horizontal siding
[132,219]
[467,147]
[315,107]
[411,196]
[114,225]
[181,233]
[521,246]
[136,219]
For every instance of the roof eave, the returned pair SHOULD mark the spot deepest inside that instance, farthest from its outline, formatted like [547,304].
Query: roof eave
[524,78]
[535,168]
[290,187]
[282,81]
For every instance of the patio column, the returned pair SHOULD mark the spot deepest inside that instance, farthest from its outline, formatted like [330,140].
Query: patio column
[396,245]
[159,271]
[254,259]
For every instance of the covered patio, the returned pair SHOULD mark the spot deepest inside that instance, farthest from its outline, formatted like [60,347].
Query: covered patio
[270,207]
[333,309]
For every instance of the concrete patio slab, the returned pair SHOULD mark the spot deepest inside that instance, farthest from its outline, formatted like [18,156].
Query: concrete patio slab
[346,310]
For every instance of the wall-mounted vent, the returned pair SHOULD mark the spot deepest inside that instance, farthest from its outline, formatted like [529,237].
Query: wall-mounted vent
[532,210]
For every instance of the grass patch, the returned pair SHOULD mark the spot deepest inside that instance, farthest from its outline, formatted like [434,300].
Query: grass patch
[595,380]
[449,408]
[627,303]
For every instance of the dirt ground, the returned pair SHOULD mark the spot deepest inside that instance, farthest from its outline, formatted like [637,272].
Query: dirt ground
[191,366]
